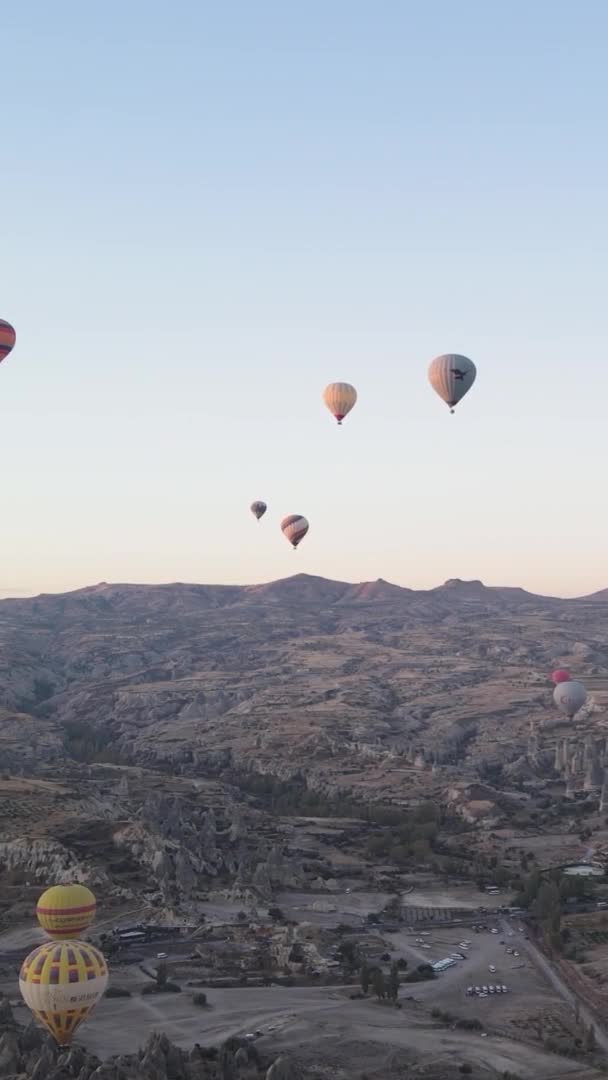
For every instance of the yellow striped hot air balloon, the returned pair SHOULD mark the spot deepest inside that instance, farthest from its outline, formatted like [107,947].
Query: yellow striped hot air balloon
[65,911]
[340,398]
[61,983]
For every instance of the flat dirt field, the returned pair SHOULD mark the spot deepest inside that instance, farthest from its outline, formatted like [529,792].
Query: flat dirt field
[315,1022]
[323,1024]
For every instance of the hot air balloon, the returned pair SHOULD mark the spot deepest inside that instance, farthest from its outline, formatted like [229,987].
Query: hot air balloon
[451,376]
[340,397]
[570,697]
[65,911]
[8,338]
[61,982]
[258,509]
[560,675]
[294,528]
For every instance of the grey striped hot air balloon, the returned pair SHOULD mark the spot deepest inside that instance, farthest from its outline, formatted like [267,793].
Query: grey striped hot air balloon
[258,509]
[451,376]
[570,697]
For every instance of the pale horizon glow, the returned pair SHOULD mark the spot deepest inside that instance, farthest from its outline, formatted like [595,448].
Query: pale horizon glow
[211,211]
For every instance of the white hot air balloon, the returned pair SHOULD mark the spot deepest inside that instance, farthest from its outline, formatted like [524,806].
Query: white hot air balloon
[570,697]
[294,528]
[340,398]
[61,982]
[451,376]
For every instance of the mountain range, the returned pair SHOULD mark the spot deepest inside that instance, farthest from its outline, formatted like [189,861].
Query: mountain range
[347,685]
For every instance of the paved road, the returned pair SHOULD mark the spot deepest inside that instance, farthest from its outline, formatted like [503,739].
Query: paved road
[558,984]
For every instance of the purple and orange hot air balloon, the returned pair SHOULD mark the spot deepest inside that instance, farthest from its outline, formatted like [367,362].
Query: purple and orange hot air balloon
[8,338]
[294,528]
[560,675]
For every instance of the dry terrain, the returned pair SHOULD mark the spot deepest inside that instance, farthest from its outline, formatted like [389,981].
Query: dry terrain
[205,756]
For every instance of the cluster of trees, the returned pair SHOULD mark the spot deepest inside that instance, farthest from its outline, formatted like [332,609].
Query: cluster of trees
[293,797]
[568,887]
[545,895]
[92,745]
[404,835]
[385,988]
[400,834]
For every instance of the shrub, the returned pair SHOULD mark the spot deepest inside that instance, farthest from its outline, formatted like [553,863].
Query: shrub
[166,988]
[117,992]
[422,972]
[469,1025]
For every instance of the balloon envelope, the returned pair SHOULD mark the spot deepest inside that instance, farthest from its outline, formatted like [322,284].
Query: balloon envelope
[258,509]
[340,398]
[61,982]
[65,911]
[8,338]
[451,376]
[294,528]
[570,697]
[560,675]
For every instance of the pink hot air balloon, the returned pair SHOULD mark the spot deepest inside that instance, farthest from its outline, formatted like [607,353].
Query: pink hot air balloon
[560,675]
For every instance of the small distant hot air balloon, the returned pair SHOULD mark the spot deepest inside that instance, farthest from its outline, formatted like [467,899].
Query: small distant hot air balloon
[258,509]
[65,911]
[8,338]
[340,398]
[560,675]
[570,697]
[61,982]
[294,528]
[451,376]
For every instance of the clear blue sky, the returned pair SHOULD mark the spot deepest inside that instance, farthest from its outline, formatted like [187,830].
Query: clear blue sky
[210,210]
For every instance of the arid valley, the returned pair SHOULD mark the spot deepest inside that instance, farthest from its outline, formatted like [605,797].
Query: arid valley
[293,801]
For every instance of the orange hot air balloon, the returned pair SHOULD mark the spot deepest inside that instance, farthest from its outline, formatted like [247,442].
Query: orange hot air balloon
[340,398]
[258,509]
[8,338]
[65,911]
[294,528]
